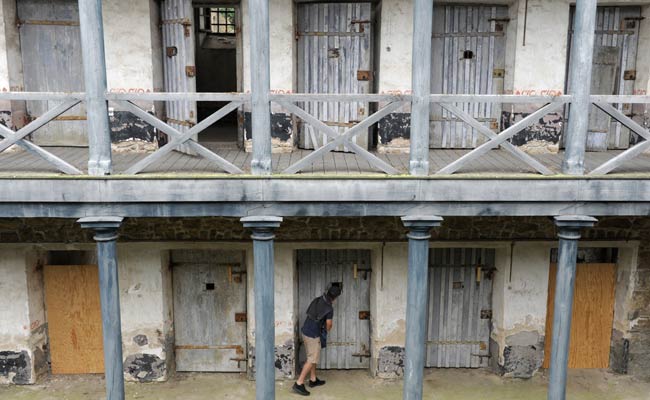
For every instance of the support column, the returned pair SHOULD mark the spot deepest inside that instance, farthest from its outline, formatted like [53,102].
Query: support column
[569,227]
[417,301]
[260,87]
[105,229]
[420,105]
[263,228]
[582,49]
[94,61]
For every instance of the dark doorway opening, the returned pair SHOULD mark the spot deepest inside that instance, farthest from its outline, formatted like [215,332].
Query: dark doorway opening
[218,57]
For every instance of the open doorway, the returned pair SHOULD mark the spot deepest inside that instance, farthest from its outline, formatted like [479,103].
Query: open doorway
[218,61]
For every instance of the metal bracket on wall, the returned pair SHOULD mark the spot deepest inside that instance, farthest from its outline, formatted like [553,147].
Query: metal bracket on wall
[190,71]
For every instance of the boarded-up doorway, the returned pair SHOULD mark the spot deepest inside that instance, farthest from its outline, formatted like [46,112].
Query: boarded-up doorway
[592,318]
[209,311]
[334,56]
[74,319]
[468,57]
[348,343]
[50,44]
[460,307]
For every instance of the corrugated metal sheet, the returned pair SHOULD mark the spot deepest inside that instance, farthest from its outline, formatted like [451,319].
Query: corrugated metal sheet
[468,53]
[209,290]
[51,53]
[334,44]
[617,31]
[460,307]
[178,33]
[348,344]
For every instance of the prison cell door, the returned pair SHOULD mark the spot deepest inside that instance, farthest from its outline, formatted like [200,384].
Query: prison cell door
[50,44]
[74,319]
[614,72]
[209,313]
[348,343]
[460,307]
[592,316]
[334,56]
[179,70]
[468,57]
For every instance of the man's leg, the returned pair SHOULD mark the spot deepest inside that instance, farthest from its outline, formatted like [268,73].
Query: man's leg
[308,367]
[313,372]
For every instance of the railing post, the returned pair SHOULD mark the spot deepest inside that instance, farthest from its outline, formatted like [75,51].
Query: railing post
[416,302]
[92,48]
[420,104]
[105,229]
[569,232]
[260,87]
[263,234]
[582,49]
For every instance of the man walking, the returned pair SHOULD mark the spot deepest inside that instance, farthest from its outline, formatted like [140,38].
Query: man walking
[314,335]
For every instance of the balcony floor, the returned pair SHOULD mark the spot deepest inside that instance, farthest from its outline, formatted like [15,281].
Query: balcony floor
[496,162]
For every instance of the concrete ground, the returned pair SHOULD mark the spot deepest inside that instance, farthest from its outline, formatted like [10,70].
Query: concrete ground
[439,384]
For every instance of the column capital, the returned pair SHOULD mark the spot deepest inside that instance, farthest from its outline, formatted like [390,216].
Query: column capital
[262,226]
[105,227]
[420,225]
[570,225]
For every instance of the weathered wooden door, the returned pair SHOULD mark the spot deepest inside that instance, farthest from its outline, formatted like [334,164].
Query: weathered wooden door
[74,319]
[592,317]
[209,312]
[468,57]
[179,65]
[348,343]
[460,307]
[334,56]
[614,72]
[51,56]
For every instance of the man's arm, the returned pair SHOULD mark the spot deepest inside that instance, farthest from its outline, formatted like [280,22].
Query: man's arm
[328,325]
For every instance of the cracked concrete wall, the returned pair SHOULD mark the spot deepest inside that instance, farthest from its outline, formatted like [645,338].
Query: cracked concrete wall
[23,339]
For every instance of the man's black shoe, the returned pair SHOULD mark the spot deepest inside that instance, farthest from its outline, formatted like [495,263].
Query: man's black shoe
[315,383]
[300,389]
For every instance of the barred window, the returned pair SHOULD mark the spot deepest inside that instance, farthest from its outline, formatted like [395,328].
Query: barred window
[219,20]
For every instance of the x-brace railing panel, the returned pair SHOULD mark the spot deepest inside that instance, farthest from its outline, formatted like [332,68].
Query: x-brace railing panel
[501,138]
[18,137]
[343,139]
[632,151]
[179,138]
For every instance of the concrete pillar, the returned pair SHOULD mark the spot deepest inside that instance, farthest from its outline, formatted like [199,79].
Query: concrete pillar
[420,105]
[569,227]
[417,302]
[261,87]
[263,234]
[582,50]
[92,48]
[105,229]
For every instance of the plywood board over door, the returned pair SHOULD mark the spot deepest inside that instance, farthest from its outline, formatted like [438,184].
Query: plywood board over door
[592,317]
[74,319]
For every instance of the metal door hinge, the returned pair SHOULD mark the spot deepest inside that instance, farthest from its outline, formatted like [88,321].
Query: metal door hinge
[498,73]
[361,356]
[364,75]
[172,51]
[361,24]
[240,317]
[190,71]
[364,315]
[486,314]
[629,75]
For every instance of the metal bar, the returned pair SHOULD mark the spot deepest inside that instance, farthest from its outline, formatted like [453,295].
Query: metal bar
[63,96]
[260,87]
[501,137]
[94,62]
[498,98]
[263,228]
[467,34]
[105,229]
[59,163]
[621,158]
[582,50]
[624,119]
[184,137]
[337,34]
[14,137]
[520,154]
[569,233]
[416,302]
[372,159]
[175,96]
[46,22]
[202,151]
[632,99]
[344,138]
[310,119]
[421,73]
[350,97]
